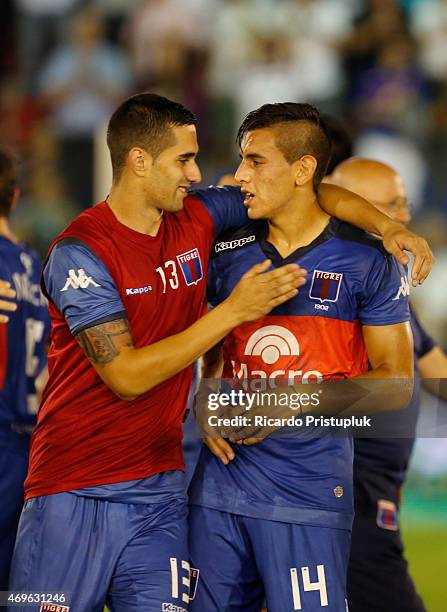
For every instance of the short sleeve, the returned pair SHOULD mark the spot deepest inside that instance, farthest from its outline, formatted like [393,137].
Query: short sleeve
[384,298]
[225,205]
[81,287]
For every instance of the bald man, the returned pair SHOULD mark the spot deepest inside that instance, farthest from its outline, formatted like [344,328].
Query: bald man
[378,578]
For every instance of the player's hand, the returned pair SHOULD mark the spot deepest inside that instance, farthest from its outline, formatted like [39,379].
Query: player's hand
[399,239]
[259,291]
[221,448]
[6,292]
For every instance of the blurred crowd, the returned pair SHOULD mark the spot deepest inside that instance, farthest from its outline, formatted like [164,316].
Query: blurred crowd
[379,65]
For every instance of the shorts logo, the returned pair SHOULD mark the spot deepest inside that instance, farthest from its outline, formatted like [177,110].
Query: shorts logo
[53,607]
[325,286]
[194,579]
[78,281]
[404,289]
[271,342]
[338,491]
[191,266]
[234,244]
[387,515]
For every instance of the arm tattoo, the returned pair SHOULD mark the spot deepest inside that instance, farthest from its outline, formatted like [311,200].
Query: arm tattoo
[102,343]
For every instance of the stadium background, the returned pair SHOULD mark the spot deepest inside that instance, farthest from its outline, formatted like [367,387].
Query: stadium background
[379,65]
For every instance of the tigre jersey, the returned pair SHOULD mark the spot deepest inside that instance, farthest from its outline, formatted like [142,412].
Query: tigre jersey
[391,455]
[22,340]
[316,335]
[99,270]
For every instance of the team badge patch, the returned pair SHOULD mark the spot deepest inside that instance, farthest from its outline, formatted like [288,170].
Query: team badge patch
[191,266]
[325,286]
[387,515]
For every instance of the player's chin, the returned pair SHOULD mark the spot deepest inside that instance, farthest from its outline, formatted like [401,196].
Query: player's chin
[255,213]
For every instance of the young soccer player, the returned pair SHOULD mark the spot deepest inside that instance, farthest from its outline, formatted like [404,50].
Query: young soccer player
[378,575]
[273,520]
[22,359]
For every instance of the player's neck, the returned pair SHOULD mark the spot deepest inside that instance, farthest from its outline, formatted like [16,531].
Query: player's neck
[5,230]
[297,225]
[131,209]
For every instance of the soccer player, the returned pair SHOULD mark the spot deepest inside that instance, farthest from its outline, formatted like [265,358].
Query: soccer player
[273,520]
[22,359]
[126,287]
[378,577]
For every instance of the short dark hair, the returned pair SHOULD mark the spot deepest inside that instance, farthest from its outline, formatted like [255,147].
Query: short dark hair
[310,136]
[8,181]
[144,120]
[341,141]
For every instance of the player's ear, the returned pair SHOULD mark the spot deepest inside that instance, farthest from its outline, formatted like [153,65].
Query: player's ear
[139,161]
[305,169]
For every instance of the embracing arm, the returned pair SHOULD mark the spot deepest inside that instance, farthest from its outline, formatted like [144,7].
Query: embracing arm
[354,209]
[130,371]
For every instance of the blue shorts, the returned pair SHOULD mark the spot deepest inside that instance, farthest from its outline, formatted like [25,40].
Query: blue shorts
[13,469]
[243,561]
[133,557]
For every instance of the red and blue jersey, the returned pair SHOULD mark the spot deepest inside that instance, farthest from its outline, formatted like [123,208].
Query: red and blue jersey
[99,270]
[316,335]
[22,341]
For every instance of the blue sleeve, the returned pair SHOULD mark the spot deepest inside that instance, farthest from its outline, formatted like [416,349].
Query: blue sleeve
[225,205]
[423,342]
[384,300]
[81,287]
[212,289]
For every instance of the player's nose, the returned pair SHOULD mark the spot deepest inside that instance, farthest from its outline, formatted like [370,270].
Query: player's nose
[241,175]
[193,173]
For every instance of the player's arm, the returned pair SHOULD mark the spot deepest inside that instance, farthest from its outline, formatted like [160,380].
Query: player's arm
[227,209]
[6,291]
[96,316]
[433,371]
[354,209]
[130,371]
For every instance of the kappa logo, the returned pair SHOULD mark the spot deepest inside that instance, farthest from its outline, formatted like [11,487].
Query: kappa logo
[271,342]
[78,281]
[404,289]
[233,244]
[191,266]
[325,287]
[138,290]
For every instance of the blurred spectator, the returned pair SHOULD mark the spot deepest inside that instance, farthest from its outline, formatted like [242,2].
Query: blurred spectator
[392,94]
[378,24]
[160,34]
[45,206]
[80,84]
[114,14]
[41,25]
[428,19]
